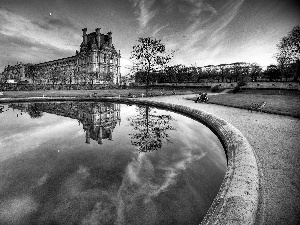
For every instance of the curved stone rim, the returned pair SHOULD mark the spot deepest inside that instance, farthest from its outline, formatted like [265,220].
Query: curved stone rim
[240,196]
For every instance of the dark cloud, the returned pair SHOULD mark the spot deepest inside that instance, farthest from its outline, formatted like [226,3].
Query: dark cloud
[21,42]
[6,40]
[16,48]
[50,23]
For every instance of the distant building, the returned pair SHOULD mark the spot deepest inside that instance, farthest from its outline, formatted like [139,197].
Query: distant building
[97,62]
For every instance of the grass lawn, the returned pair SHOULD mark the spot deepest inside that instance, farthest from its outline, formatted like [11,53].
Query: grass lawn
[271,92]
[278,104]
[103,93]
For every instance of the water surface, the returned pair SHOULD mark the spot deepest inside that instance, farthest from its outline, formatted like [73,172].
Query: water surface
[105,163]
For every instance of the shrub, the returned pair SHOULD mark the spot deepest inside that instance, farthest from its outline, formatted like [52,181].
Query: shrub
[241,83]
[236,89]
[215,88]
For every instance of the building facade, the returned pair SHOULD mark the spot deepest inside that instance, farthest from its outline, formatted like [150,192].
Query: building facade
[96,62]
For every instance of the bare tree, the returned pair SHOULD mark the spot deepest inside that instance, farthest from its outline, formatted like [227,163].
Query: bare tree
[54,74]
[254,71]
[31,71]
[288,55]
[239,70]
[149,55]
[289,47]
[272,73]
[92,76]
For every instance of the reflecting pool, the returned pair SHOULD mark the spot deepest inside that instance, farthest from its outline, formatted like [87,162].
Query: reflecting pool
[105,163]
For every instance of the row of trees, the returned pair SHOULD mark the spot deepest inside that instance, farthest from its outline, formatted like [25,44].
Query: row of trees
[221,73]
[150,60]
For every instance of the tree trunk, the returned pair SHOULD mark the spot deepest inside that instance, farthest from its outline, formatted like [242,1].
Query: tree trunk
[147,82]
[147,118]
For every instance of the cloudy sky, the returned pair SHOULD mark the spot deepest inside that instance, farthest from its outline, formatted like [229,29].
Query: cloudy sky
[202,32]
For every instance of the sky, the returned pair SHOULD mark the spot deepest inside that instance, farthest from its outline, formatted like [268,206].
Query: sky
[201,32]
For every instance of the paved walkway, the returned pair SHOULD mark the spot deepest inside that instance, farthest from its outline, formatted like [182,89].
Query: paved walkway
[276,141]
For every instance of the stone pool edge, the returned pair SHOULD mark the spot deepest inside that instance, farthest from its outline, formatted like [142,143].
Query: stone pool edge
[240,196]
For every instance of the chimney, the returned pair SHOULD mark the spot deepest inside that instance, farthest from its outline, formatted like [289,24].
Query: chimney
[98,37]
[109,38]
[84,30]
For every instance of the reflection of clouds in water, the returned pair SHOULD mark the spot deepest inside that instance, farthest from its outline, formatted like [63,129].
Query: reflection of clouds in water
[79,133]
[94,192]
[27,141]
[104,212]
[209,142]
[78,188]
[140,169]
[133,196]
[179,163]
[42,180]
[189,137]
[74,184]
[71,202]
[134,202]
[140,184]
[77,204]
[12,211]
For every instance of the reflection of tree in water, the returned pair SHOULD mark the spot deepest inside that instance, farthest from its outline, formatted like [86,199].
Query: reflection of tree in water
[34,111]
[151,129]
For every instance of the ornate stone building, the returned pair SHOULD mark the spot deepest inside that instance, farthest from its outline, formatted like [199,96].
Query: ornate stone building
[96,62]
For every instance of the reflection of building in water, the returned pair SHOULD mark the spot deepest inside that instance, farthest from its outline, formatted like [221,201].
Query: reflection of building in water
[100,122]
[98,119]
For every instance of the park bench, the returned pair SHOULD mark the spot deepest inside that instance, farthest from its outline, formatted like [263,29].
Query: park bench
[202,98]
[149,94]
[93,94]
[257,106]
[130,95]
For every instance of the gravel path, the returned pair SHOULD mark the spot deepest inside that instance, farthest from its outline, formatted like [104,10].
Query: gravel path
[276,141]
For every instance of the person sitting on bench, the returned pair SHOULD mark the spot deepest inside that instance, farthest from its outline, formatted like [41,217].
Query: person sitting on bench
[202,98]
[130,95]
